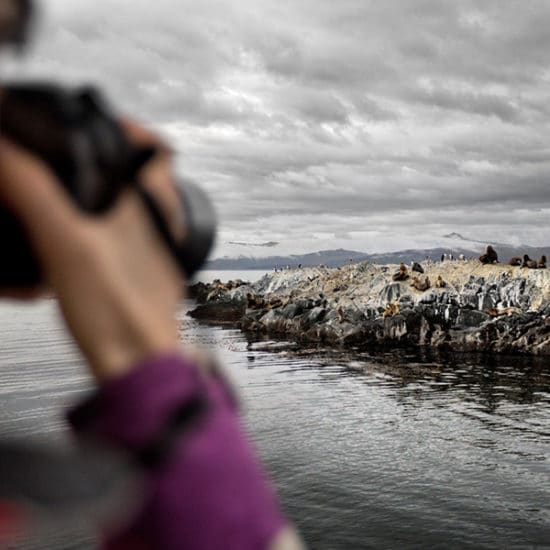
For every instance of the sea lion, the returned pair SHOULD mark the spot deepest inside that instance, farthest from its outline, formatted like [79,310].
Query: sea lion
[440,283]
[419,285]
[254,302]
[392,309]
[515,261]
[527,262]
[542,262]
[508,311]
[274,303]
[415,266]
[490,256]
[402,274]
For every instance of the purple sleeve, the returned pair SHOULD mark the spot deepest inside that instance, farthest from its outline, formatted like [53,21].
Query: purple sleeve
[210,491]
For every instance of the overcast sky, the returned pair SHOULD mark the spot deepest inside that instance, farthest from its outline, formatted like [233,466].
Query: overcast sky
[321,124]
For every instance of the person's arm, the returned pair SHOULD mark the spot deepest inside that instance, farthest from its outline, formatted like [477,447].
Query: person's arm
[118,288]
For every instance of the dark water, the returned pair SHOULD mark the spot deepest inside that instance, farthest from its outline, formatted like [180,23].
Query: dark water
[386,451]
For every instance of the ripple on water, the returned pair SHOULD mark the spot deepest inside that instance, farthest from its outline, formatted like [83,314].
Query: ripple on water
[395,450]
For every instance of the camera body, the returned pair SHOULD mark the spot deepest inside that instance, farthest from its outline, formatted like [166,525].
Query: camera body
[74,133]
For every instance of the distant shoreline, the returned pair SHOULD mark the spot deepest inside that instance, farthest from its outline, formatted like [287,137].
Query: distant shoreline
[341,257]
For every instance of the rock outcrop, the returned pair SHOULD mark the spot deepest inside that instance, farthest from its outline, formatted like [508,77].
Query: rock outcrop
[490,308]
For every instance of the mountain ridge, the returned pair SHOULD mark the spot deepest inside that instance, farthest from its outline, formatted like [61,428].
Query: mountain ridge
[340,257]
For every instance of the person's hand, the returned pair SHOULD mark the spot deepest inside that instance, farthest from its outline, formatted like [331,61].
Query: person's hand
[116,283]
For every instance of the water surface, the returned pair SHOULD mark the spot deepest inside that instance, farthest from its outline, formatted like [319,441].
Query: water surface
[250,275]
[385,451]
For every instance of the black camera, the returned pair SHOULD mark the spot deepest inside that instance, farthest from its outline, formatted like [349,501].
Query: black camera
[74,132]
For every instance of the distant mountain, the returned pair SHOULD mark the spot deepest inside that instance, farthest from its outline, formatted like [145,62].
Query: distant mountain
[337,258]
[330,258]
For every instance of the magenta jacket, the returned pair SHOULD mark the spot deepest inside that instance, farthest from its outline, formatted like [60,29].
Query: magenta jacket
[205,487]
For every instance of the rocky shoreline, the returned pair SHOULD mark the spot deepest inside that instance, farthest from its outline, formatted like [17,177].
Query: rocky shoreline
[493,308]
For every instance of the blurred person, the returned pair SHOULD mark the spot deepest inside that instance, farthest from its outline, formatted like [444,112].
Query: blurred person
[118,287]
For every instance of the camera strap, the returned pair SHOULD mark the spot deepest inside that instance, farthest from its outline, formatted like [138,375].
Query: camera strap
[200,223]
[158,220]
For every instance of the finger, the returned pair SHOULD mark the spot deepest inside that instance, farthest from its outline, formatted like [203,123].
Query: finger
[139,135]
[33,193]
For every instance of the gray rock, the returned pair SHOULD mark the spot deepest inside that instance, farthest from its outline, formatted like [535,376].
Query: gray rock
[471,318]
[346,307]
[239,294]
[291,310]
[406,301]
[391,293]
[315,315]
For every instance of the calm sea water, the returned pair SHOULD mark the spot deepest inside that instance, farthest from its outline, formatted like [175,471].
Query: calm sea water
[250,275]
[386,451]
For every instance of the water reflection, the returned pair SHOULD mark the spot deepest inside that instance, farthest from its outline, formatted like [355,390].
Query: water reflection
[387,450]
[401,449]
[487,380]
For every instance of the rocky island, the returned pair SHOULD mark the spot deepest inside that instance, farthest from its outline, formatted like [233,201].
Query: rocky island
[468,306]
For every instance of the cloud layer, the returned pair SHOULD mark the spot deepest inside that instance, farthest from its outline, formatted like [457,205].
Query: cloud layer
[320,124]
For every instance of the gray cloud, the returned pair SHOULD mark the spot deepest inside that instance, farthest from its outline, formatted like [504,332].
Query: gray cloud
[350,123]
[471,102]
[268,244]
